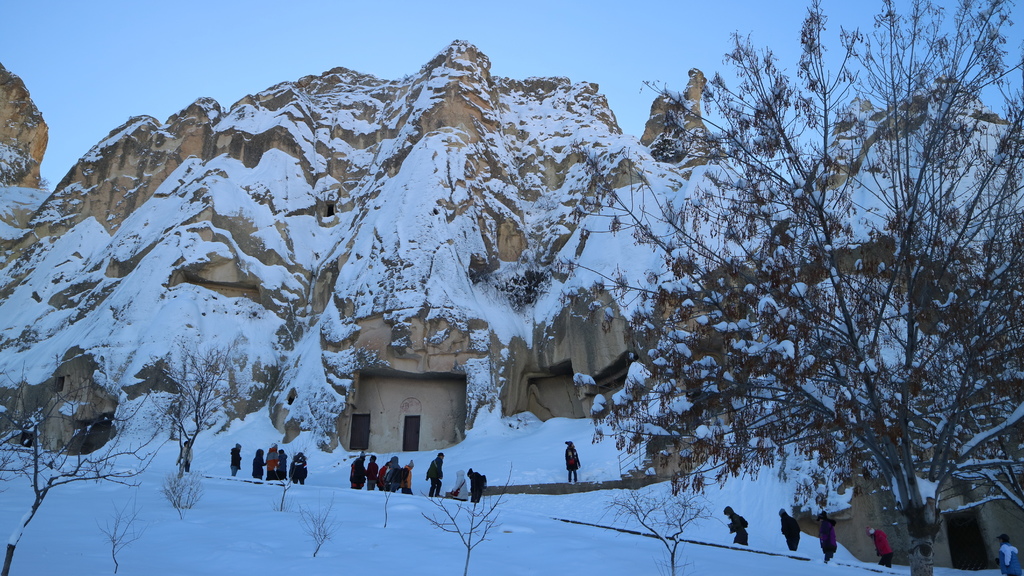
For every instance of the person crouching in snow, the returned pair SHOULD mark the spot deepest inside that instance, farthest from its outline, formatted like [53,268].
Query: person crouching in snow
[459,491]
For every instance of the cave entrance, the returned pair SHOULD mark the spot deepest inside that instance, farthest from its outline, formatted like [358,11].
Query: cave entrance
[966,545]
[391,411]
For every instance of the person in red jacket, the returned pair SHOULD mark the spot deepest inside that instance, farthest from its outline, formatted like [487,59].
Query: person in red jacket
[371,473]
[882,547]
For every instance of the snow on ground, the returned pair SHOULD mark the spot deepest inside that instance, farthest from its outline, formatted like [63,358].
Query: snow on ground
[235,529]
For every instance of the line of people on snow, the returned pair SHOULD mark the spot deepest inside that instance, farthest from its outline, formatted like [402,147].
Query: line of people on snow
[826,534]
[1007,560]
[393,477]
[276,464]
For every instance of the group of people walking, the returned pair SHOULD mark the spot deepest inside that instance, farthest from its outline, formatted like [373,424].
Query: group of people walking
[826,534]
[393,477]
[276,464]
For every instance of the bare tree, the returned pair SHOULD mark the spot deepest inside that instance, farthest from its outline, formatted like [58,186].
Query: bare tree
[54,438]
[663,514]
[123,529]
[847,255]
[182,491]
[319,524]
[471,522]
[200,377]
[282,504]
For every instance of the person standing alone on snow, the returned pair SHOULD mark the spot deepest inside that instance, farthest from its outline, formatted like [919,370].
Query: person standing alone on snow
[1008,561]
[790,529]
[435,473]
[882,547]
[827,535]
[236,459]
[737,524]
[572,461]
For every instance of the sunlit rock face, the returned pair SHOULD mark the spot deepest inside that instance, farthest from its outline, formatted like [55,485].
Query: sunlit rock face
[340,229]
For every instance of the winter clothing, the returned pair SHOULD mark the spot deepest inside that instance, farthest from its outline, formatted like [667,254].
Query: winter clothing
[257,465]
[185,456]
[827,536]
[477,483]
[299,471]
[393,477]
[407,479]
[357,473]
[459,491]
[282,465]
[236,459]
[382,477]
[882,547]
[435,473]
[790,529]
[272,463]
[371,473]
[572,462]
[1008,561]
[737,524]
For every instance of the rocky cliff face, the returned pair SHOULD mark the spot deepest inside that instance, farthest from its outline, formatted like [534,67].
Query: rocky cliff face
[332,227]
[23,134]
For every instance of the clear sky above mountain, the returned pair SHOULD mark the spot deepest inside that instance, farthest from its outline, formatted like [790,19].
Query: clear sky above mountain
[90,65]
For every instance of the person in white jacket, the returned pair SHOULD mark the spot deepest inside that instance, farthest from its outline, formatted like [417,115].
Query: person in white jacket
[1008,561]
[459,491]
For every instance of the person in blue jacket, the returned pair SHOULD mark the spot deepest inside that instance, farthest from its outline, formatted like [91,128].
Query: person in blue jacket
[1008,561]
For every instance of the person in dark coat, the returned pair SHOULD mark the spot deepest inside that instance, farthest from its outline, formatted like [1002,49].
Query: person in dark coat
[298,471]
[790,529]
[282,465]
[257,465]
[371,472]
[393,477]
[357,474]
[737,525]
[827,535]
[572,462]
[882,548]
[435,473]
[236,459]
[477,483]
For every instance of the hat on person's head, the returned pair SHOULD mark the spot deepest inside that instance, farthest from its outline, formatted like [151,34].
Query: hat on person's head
[238,445]
[869,530]
[1003,537]
[410,463]
[440,454]
[727,511]
[782,511]
[822,515]
[568,442]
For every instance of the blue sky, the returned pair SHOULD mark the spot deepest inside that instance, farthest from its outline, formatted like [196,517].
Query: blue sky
[91,65]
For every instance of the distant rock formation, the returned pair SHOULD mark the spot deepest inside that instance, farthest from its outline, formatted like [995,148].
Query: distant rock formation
[23,134]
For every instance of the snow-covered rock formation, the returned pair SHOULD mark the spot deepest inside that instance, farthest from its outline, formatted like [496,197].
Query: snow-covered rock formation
[373,249]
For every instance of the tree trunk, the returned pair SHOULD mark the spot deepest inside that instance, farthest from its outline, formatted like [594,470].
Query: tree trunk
[922,526]
[7,560]
[465,570]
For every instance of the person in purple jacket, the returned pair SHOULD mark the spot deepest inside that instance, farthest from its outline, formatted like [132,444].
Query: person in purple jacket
[827,535]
